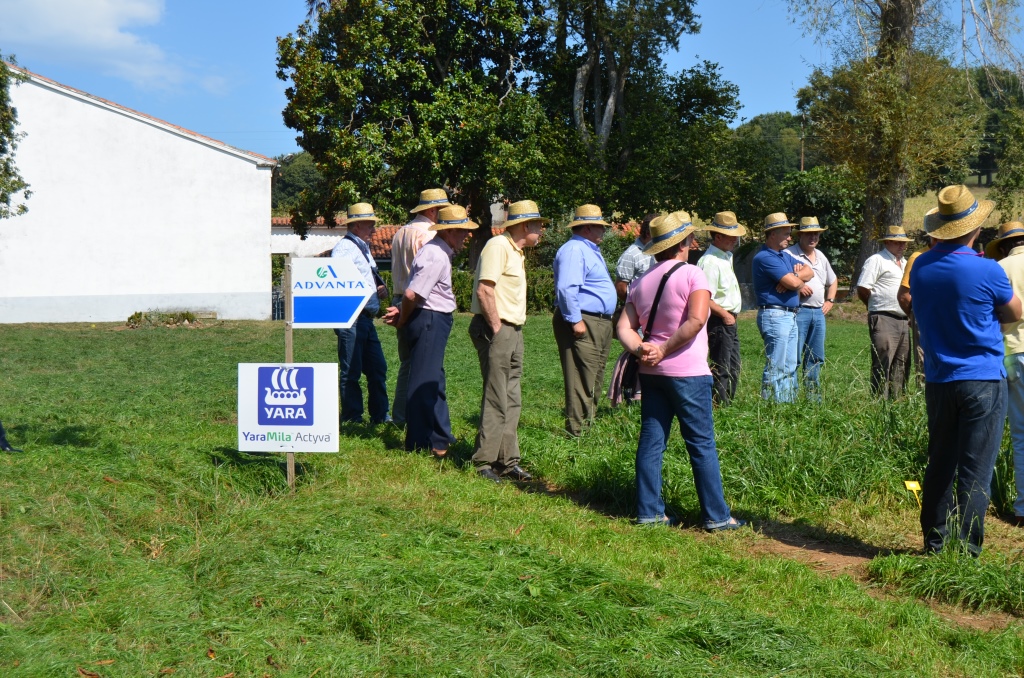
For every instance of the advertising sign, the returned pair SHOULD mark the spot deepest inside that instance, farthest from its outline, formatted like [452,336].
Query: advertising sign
[327,292]
[288,407]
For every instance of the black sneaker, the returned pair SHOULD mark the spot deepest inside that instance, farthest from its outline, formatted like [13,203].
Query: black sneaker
[517,473]
[488,472]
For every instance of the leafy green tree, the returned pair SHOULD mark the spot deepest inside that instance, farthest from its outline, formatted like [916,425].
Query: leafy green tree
[13,189]
[781,132]
[892,77]
[295,173]
[836,197]
[391,97]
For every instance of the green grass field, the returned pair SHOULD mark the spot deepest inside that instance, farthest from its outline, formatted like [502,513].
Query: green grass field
[135,540]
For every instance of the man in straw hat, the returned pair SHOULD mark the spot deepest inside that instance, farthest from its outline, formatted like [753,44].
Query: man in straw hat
[585,301]
[1008,250]
[888,326]
[633,263]
[499,311]
[959,300]
[359,350]
[726,303]
[816,299]
[406,242]
[777,277]
[424,322]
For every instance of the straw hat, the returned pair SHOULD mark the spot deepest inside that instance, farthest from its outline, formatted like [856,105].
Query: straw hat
[777,220]
[523,211]
[432,197]
[958,213]
[453,216]
[726,224]
[1011,229]
[361,211]
[895,233]
[667,230]
[588,215]
[810,225]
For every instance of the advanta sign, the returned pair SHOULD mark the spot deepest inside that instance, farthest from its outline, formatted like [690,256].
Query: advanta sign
[290,407]
[327,293]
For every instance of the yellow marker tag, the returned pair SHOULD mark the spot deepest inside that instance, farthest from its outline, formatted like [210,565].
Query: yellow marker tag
[914,487]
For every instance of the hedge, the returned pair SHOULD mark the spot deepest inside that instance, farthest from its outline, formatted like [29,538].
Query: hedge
[540,289]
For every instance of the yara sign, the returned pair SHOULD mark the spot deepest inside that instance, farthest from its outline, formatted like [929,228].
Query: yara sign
[288,407]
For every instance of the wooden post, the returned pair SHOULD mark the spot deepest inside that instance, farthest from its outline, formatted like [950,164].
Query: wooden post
[288,354]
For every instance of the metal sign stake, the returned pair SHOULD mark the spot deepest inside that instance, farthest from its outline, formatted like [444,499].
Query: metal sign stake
[288,355]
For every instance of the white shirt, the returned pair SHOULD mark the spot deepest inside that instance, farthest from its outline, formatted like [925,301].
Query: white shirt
[882,274]
[725,288]
[822,278]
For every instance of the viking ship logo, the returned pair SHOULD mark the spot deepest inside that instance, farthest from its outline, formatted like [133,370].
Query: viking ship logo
[287,395]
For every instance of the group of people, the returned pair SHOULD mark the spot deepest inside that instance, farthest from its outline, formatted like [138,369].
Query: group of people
[679,320]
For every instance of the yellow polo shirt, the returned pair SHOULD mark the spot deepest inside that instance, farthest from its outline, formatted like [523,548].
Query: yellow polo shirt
[504,264]
[1013,333]
[910,264]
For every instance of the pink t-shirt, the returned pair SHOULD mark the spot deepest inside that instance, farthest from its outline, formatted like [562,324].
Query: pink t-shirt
[691,360]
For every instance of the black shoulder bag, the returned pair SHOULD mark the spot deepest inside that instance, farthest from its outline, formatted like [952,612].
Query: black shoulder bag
[631,372]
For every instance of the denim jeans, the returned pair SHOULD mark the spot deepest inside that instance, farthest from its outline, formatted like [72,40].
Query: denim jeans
[359,353]
[689,399]
[810,328]
[965,429]
[1015,412]
[778,329]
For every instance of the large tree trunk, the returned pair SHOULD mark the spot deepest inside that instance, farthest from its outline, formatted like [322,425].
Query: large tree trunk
[883,206]
[479,211]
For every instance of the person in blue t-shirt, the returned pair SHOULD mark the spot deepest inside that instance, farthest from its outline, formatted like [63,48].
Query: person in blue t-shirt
[959,301]
[777,277]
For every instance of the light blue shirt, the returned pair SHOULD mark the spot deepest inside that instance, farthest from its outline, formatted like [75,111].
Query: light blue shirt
[582,282]
[358,252]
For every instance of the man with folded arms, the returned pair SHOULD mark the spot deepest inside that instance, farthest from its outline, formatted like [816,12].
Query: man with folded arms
[499,311]
[726,303]
[960,299]
[406,242]
[424,322]
[777,277]
[359,350]
[888,325]
[816,299]
[585,299]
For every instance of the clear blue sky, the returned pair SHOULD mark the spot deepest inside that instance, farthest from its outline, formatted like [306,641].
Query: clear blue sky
[208,65]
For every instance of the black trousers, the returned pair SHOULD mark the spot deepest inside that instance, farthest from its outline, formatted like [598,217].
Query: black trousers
[427,423]
[724,354]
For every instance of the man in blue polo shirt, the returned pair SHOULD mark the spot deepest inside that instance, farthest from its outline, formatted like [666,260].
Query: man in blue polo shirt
[959,301]
[585,299]
[777,277]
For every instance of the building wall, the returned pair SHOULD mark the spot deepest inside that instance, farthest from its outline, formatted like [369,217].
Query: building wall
[128,216]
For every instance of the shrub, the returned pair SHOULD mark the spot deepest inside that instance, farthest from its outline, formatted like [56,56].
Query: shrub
[836,197]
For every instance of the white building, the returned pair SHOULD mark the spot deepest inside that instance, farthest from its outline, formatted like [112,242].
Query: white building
[129,213]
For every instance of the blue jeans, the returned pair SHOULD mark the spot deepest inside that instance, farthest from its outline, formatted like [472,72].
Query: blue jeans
[810,328]
[965,430]
[689,399]
[359,353]
[778,329]
[1015,412]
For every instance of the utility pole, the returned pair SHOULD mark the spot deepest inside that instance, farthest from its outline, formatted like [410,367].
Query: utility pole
[802,117]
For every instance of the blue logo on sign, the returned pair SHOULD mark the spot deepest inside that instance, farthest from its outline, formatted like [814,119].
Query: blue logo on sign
[285,396]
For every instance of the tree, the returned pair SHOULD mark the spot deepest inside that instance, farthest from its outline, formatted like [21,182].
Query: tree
[592,51]
[884,42]
[295,173]
[13,189]
[782,133]
[391,97]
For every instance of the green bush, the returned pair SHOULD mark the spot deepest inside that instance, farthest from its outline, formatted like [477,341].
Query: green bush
[836,197]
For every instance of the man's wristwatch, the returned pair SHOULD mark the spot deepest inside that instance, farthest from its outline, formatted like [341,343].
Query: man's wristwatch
[831,301]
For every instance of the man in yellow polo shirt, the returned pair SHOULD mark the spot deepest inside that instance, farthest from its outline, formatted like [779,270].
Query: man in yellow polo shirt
[499,308]
[904,299]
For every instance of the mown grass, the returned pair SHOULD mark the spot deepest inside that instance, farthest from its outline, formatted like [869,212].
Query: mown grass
[132,530]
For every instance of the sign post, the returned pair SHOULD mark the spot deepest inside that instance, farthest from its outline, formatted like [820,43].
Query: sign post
[293,407]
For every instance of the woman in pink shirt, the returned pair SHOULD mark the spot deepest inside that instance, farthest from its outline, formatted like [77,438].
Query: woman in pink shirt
[674,375]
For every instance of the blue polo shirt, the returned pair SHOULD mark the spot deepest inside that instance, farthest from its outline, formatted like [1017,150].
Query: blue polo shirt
[582,282]
[955,294]
[769,268]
